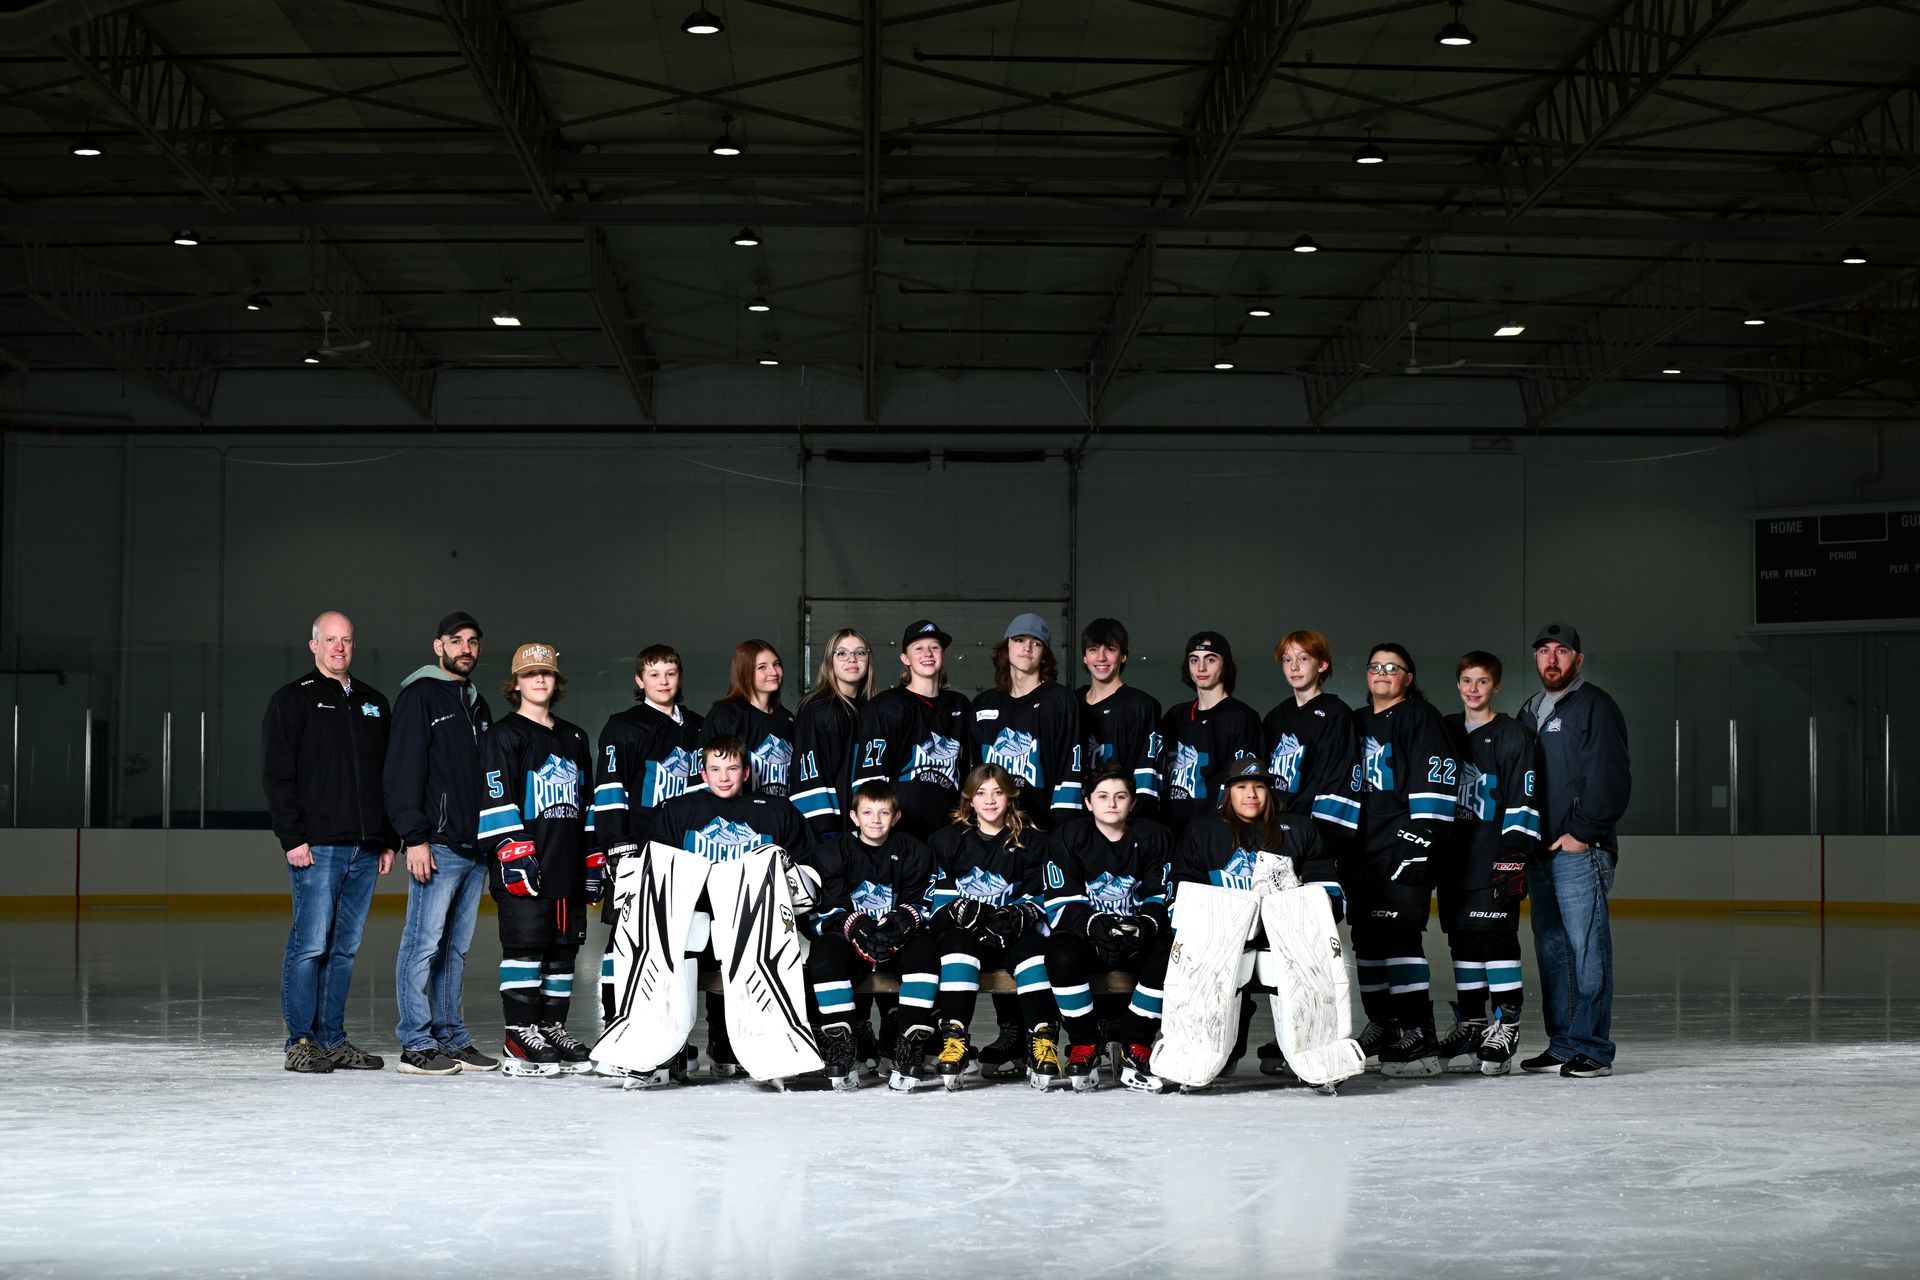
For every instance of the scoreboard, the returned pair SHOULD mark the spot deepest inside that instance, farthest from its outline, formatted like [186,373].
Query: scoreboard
[1837,569]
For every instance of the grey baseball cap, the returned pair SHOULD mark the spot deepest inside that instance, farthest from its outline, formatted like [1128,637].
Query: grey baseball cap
[1030,624]
[1560,632]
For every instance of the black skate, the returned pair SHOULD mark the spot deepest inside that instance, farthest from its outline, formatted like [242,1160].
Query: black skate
[575,1058]
[1136,1069]
[957,1058]
[1006,1056]
[838,1050]
[721,1064]
[909,1069]
[1083,1066]
[1500,1043]
[671,1072]
[1043,1057]
[1375,1036]
[1274,1063]
[1462,1040]
[526,1053]
[1413,1055]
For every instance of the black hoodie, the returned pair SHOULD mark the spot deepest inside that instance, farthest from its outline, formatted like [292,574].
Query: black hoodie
[432,774]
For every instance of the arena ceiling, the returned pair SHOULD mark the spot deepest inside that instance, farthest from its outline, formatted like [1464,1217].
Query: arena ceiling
[1102,188]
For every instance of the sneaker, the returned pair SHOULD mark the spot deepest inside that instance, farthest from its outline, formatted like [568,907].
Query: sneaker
[348,1056]
[1581,1067]
[1043,1056]
[909,1070]
[427,1062]
[838,1051]
[1462,1040]
[1136,1069]
[527,1053]
[1083,1066]
[1413,1055]
[575,1058]
[1007,1054]
[307,1058]
[471,1059]
[957,1058]
[1543,1062]
[1500,1043]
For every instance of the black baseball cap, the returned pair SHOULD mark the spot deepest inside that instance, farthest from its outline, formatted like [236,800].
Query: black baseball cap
[1246,769]
[1209,642]
[925,629]
[458,621]
[1561,633]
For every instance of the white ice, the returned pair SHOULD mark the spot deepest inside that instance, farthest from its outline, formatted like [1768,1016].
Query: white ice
[1764,1122]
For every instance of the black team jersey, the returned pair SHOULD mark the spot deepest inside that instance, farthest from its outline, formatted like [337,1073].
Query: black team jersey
[864,879]
[1207,852]
[1311,752]
[721,830]
[1199,745]
[1499,775]
[769,738]
[1036,738]
[990,869]
[1123,729]
[823,734]
[918,745]
[1408,772]
[1087,874]
[533,786]
[646,758]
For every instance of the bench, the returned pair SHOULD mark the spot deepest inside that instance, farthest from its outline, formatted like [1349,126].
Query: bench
[993,982]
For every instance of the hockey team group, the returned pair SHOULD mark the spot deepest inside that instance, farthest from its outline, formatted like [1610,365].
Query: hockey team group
[1134,878]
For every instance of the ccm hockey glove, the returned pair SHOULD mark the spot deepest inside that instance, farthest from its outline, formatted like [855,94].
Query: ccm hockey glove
[596,878]
[1510,878]
[1411,858]
[863,936]
[896,927]
[520,868]
[1008,923]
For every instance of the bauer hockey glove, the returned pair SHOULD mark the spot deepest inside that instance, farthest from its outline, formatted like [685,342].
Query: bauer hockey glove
[1008,923]
[1412,858]
[520,868]
[863,936]
[896,927]
[596,877]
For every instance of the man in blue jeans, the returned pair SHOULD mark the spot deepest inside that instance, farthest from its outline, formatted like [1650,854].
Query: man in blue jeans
[1585,784]
[432,788]
[323,742]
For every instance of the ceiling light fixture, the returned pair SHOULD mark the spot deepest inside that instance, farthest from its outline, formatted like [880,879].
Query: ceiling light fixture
[1509,331]
[86,146]
[759,303]
[1854,257]
[1670,370]
[1259,311]
[506,319]
[312,357]
[1223,364]
[1754,321]
[185,238]
[703,22]
[1369,153]
[769,359]
[745,238]
[1306,244]
[725,145]
[259,302]
[1455,33]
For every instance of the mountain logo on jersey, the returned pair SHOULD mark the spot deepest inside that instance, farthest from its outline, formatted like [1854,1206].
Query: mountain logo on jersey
[935,760]
[1238,873]
[1379,765]
[772,760]
[1018,753]
[873,899]
[1285,761]
[987,886]
[553,790]
[724,841]
[1185,780]
[1476,793]
[1109,892]
[668,777]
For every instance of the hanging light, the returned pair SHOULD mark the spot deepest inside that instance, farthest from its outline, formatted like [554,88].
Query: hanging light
[185,238]
[1223,364]
[86,146]
[1306,244]
[1455,33]
[1259,311]
[759,303]
[1670,370]
[724,145]
[745,238]
[312,357]
[1754,321]
[506,319]
[703,22]
[1854,257]
[1369,153]
[1509,331]
[769,359]
[259,302]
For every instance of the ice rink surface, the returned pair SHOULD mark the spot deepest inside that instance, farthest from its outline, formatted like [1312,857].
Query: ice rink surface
[1765,1121]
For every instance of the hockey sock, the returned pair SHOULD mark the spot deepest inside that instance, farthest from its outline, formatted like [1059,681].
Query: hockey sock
[1084,1029]
[606,984]
[1144,1009]
[520,988]
[1408,979]
[1502,952]
[1246,1024]
[960,988]
[556,987]
[1469,986]
[1034,996]
[1075,1001]
[833,999]
[1373,990]
[917,994]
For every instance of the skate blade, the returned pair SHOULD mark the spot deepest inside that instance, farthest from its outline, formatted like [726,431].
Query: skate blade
[576,1068]
[1086,1083]
[1496,1068]
[1418,1069]
[903,1084]
[951,1083]
[1036,1080]
[1142,1083]
[999,1071]
[639,1080]
[514,1067]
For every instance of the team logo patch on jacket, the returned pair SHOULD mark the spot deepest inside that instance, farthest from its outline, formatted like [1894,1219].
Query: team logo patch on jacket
[873,899]
[1018,753]
[935,760]
[1118,894]
[772,760]
[369,709]
[988,886]
[553,790]
[724,841]
[1238,873]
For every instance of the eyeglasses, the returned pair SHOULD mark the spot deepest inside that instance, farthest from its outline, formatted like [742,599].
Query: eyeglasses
[853,653]
[1383,668]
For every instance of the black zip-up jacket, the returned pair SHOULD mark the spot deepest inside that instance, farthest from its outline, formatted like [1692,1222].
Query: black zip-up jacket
[432,775]
[1584,766]
[322,752]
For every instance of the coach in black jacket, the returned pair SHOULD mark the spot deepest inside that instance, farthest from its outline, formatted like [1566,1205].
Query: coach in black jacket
[324,742]
[433,793]
[1586,781]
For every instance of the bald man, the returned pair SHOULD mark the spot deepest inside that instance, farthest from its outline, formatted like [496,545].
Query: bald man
[324,744]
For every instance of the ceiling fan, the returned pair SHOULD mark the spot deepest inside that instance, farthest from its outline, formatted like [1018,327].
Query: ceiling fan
[1413,365]
[328,347]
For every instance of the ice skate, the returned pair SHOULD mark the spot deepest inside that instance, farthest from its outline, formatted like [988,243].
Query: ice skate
[1500,1043]
[525,1052]
[1135,1071]
[909,1070]
[575,1058]
[957,1058]
[1412,1056]
[1374,1036]
[1083,1067]
[1006,1056]
[1274,1063]
[1043,1057]
[1462,1040]
[839,1051]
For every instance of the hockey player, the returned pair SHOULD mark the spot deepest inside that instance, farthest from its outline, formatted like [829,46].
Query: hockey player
[986,911]
[1408,785]
[536,829]
[1205,736]
[1106,887]
[874,887]
[1497,832]
[1121,724]
[1029,724]
[912,735]
[648,754]
[751,712]
[823,733]
[720,821]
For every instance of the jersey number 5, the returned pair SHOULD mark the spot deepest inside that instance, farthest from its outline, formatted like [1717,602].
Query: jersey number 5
[495,788]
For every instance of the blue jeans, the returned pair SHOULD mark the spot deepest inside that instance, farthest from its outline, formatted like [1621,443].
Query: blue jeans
[330,901]
[433,951]
[1574,948]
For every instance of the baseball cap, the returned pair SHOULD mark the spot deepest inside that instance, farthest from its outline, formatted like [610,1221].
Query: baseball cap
[1560,632]
[925,629]
[458,620]
[1246,769]
[1209,642]
[1030,624]
[535,657]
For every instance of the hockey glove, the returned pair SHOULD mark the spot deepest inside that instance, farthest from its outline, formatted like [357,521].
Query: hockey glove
[1145,927]
[863,936]
[1411,858]
[618,852]
[1008,923]
[520,868]
[802,883]
[596,878]
[1509,879]
[896,927]
[965,913]
[1112,937]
